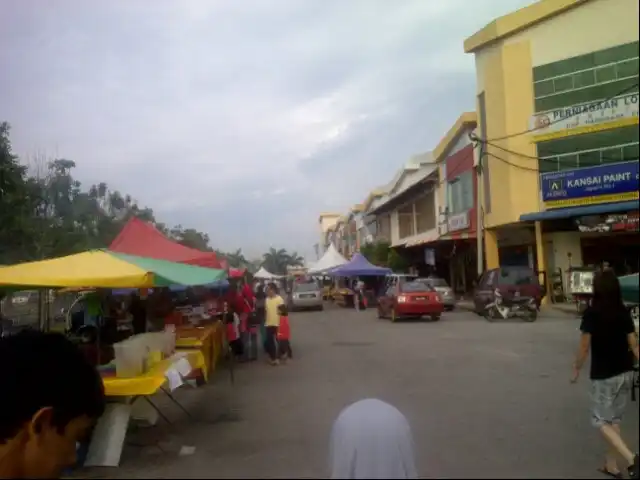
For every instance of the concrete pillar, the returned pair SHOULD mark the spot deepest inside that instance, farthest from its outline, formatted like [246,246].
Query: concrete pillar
[492,257]
[541,261]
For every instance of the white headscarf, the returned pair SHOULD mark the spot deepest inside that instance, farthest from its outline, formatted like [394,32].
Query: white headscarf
[371,439]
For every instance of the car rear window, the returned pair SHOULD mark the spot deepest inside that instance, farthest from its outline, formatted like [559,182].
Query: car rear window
[305,287]
[516,276]
[415,287]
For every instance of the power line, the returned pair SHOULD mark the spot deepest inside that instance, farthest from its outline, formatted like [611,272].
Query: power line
[633,87]
[549,157]
[515,165]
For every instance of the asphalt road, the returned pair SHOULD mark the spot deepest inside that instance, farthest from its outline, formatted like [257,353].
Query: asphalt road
[484,400]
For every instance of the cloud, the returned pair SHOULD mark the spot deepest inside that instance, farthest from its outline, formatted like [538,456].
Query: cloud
[242,119]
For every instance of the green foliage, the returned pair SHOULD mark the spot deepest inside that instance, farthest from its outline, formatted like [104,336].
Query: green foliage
[45,212]
[277,260]
[381,253]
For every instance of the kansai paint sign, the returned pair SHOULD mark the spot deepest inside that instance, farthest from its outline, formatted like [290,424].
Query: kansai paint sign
[617,182]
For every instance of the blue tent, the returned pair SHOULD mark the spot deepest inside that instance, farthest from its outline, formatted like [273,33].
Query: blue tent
[359,266]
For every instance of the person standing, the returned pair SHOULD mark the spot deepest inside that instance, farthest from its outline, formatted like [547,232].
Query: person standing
[272,322]
[261,295]
[250,331]
[609,334]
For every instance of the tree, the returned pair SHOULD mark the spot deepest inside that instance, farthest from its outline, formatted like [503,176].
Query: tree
[277,260]
[16,204]
[190,237]
[381,253]
[46,212]
[237,259]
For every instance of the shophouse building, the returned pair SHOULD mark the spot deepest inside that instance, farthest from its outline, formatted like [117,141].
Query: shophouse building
[409,208]
[457,195]
[557,103]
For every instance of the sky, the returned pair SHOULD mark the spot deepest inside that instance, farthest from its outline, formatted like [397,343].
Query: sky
[242,119]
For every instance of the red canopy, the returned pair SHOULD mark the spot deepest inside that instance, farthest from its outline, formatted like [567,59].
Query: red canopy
[237,272]
[143,239]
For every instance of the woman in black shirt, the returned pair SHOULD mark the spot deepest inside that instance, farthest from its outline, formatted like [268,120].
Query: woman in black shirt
[609,333]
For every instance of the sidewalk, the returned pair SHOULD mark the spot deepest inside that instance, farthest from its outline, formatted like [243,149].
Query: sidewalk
[554,309]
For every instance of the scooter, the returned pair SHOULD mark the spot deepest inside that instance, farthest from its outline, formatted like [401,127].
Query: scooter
[518,306]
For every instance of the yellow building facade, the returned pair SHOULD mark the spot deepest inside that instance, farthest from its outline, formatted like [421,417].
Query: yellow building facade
[540,61]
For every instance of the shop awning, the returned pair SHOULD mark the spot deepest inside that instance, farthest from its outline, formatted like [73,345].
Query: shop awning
[560,213]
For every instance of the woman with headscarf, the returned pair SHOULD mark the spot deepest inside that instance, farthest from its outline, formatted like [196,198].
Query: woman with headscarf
[371,439]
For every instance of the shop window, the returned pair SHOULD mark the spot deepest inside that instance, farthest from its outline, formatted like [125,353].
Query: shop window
[543,88]
[587,61]
[587,94]
[562,84]
[405,221]
[627,69]
[631,152]
[589,141]
[461,193]
[425,213]
[606,74]
[384,227]
[589,159]
[584,79]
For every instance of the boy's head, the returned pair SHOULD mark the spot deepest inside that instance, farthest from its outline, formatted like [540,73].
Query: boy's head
[283,311]
[272,289]
[51,397]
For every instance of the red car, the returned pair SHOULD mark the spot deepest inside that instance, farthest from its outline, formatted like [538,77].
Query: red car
[410,299]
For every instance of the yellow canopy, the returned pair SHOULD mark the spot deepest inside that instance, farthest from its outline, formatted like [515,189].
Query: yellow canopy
[93,268]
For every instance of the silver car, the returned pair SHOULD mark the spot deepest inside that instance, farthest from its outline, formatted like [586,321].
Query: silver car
[306,296]
[441,286]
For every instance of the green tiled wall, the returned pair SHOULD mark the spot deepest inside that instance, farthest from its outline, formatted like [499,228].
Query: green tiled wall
[585,78]
[611,146]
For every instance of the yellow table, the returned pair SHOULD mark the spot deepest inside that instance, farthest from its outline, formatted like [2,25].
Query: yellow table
[207,340]
[109,434]
[150,382]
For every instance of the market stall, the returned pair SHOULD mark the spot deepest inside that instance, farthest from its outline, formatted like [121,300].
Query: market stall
[357,267]
[142,365]
[141,238]
[263,274]
[331,259]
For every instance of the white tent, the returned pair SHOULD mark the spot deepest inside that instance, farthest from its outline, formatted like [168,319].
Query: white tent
[264,274]
[330,259]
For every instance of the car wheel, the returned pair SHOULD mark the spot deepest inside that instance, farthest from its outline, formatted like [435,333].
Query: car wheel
[435,318]
[320,308]
[449,308]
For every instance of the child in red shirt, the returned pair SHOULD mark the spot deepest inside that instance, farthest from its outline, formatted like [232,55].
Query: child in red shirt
[284,334]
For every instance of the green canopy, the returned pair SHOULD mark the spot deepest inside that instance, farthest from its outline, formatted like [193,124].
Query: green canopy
[105,269]
[630,288]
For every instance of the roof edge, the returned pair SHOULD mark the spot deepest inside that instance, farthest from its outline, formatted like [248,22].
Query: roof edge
[517,21]
[467,119]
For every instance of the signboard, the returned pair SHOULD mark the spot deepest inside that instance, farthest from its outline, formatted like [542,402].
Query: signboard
[585,118]
[616,182]
[625,222]
[459,221]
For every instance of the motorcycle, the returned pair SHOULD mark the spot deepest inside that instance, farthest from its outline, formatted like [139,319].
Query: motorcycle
[517,306]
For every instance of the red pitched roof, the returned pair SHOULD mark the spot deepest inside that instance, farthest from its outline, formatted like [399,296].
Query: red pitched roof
[143,239]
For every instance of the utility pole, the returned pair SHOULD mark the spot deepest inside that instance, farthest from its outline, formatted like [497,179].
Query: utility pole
[479,203]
